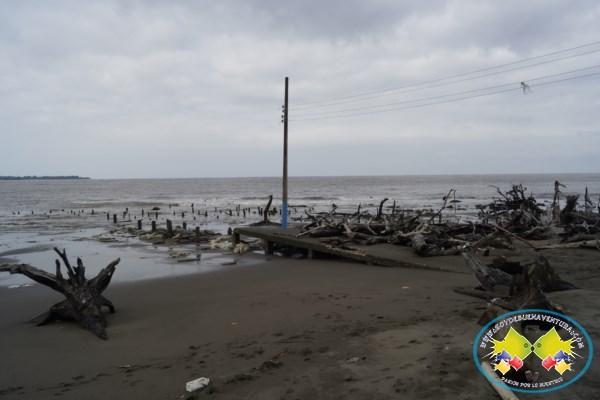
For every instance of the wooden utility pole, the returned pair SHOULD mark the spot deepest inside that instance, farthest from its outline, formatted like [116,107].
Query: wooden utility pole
[284,206]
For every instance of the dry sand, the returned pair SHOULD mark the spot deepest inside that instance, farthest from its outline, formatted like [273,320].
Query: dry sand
[279,329]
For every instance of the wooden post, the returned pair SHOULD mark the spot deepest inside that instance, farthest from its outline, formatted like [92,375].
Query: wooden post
[115,218]
[284,199]
[139,224]
[153,226]
[268,247]
[169,227]
[184,225]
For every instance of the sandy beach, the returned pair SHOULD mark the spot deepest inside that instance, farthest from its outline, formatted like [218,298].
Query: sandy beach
[299,200]
[276,329]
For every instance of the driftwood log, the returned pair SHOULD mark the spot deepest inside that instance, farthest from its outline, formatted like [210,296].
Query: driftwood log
[515,215]
[84,300]
[515,285]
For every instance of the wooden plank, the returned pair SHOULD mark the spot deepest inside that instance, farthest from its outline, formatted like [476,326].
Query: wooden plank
[386,255]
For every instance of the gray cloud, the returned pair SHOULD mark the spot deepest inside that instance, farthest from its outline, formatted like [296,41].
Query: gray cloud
[160,88]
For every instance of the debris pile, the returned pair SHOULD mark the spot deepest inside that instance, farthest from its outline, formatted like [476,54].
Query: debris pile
[514,214]
[512,285]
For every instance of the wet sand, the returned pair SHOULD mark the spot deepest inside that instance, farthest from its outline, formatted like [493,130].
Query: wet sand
[278,329]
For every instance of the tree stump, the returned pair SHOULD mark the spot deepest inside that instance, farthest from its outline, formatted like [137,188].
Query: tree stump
[84,301]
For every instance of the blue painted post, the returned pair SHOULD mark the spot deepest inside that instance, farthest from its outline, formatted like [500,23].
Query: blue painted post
[284,205]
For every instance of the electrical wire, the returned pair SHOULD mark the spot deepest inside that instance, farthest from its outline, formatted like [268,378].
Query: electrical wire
[375,106]
[445,101]
[387,92]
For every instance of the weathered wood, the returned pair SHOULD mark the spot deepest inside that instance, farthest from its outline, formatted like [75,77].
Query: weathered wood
[586,244]
[268,247]
[387,255]
[491,279]
[509,233]
[84,301]
[566,214]
[380,209]
[526,281]
[235,238]
[266,210]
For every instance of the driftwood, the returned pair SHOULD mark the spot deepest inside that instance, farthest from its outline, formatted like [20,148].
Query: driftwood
[490,278]
[566,215]
[266,212]
[585,244]
[515,285]
[84,300]
[513,216]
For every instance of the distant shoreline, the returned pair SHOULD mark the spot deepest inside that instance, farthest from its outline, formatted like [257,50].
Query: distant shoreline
[31,178]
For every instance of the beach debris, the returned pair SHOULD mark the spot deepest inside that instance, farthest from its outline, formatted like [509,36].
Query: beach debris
[515,215]
[241,248]
[417,229]
[197,384]
[512,284]
[265,213]
[84,300]
[266,210]
[173,234]
[221,243]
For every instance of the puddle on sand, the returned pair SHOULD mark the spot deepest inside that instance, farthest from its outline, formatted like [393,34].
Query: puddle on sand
[139,260]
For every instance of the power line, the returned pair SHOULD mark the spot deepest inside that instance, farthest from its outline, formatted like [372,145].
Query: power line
[387,92]
[445,101]
[375,106]
[461,80]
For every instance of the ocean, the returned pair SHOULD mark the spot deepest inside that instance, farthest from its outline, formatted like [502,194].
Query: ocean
[36,216]
[319,192]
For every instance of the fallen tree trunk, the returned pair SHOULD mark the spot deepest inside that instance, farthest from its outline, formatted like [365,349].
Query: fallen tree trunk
[84,301]
[586,244]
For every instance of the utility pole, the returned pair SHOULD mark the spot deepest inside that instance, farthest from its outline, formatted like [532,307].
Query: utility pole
[284,206]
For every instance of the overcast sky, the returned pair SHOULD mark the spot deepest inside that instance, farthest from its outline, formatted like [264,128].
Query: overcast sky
[139,89]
